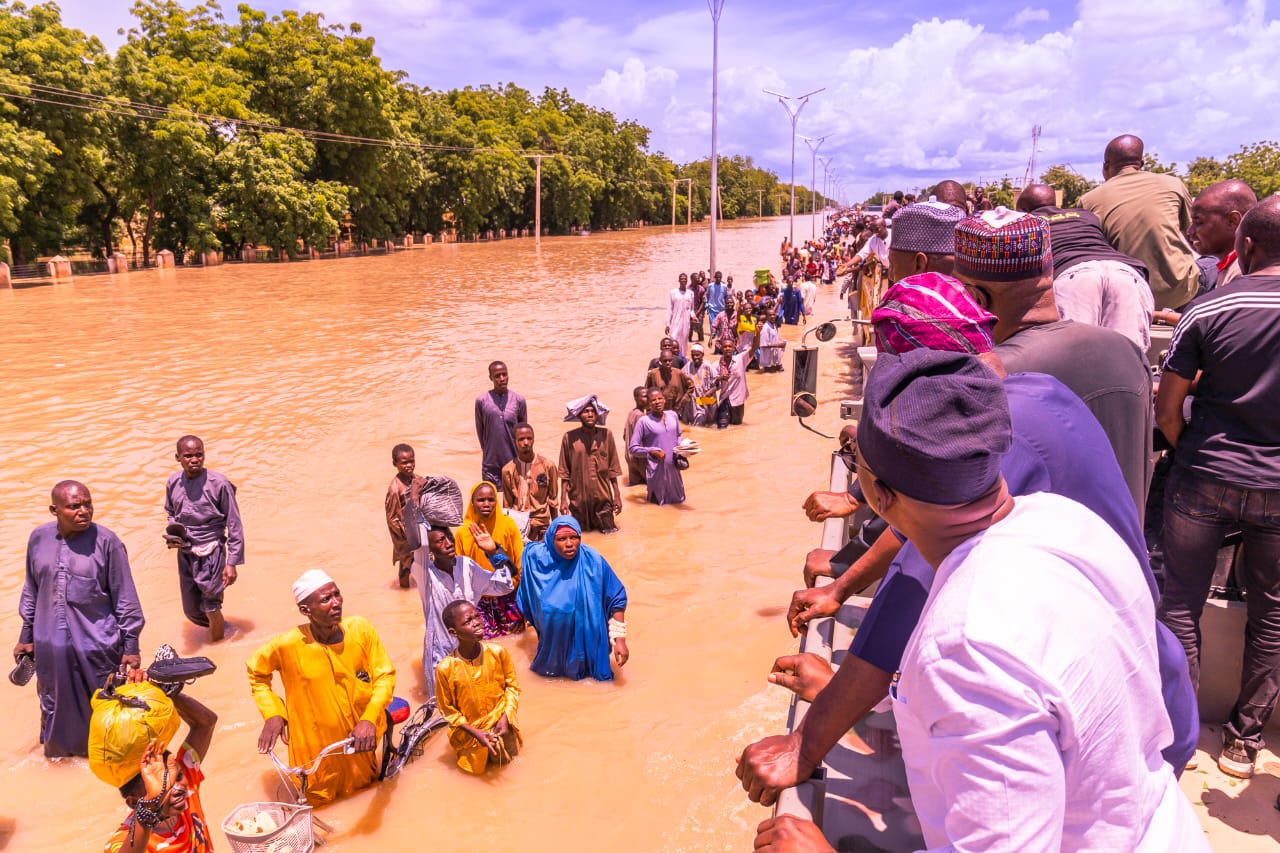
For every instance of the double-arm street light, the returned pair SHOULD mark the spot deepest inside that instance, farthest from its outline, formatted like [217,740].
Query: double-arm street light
[814,145]
[826,183]
[794,115]
[715,6]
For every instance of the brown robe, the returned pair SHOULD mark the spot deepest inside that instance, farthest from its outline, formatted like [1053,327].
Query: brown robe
[589,463]
[397,497]
[540,499]
[635,467]
[673,389]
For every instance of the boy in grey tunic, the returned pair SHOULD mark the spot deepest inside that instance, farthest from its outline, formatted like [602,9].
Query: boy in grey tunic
[210,543]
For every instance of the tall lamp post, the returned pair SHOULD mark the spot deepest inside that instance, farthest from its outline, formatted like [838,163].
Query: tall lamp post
[715,6]
[814,145]
[794,116]
[826,183]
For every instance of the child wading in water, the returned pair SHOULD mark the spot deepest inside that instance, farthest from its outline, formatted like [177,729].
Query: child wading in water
[398,493]
[476,692]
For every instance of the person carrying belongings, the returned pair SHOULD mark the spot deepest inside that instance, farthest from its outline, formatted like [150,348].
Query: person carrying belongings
[129,733]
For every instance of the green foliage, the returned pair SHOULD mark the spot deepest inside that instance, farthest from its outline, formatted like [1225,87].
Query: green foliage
[1202,172]
[1258,165]
[220,132]
[1002,194]
[1072,183]
[1151,163]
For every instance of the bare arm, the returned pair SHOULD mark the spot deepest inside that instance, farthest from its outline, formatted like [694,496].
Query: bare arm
[1169,400]
[808,604]
[200,721]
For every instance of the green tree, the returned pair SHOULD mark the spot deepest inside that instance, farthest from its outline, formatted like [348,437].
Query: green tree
[1258,165]
[1072,183]
[1151,163]
[1202,172]
[264,196]
[172,62]
[1002,193]
[36,49]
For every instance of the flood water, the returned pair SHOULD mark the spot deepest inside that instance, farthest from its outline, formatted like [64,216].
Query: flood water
[300,378]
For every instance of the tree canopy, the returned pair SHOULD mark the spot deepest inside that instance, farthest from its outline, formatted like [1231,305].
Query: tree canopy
[211,131]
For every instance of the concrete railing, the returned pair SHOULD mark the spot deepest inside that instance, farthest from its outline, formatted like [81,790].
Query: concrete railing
[859,796]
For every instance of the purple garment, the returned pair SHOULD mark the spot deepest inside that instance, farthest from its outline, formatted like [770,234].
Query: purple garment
[206,507]
[81,610]
[1053,432]
[496,419]
[666,486]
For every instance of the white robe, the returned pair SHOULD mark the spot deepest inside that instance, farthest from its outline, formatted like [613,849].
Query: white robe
[439,589]
[679,318]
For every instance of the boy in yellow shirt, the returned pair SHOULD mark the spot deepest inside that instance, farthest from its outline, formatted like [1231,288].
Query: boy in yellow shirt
[476,692]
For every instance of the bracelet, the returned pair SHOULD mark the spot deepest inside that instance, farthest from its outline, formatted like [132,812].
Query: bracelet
[145,815]
[617,630]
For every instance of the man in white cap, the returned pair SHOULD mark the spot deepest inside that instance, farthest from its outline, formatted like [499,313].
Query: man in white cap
[338,681]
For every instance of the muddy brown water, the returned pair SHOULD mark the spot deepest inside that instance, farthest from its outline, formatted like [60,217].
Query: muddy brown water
[301,378]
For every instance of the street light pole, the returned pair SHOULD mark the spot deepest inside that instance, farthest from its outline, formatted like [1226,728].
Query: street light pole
[826,177]
[715,6]
[814,145]
[794,116]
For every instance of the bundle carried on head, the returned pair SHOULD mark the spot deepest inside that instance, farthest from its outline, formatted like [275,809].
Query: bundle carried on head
[126,718]
[441,502]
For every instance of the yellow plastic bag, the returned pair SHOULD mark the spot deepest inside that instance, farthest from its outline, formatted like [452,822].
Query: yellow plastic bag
[123,724]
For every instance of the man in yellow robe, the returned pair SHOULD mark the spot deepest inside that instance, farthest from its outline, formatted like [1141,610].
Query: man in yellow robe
[338,681]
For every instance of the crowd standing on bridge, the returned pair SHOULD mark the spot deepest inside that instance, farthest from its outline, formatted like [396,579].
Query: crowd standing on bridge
[1007,435]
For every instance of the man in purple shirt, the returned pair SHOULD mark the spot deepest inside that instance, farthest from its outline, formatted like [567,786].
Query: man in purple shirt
[210,543]
[497,413]
[80,616]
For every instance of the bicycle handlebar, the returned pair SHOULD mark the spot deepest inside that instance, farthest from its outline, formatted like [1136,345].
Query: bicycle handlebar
[345,745]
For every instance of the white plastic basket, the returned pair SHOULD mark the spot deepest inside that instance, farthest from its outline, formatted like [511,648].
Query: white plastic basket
[294,833]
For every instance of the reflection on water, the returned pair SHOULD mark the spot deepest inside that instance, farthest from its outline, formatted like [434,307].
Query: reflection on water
[301,378]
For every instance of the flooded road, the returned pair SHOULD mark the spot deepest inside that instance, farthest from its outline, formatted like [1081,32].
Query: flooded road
[300,378]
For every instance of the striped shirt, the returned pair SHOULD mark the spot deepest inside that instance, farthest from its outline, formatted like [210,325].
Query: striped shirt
[1232,336]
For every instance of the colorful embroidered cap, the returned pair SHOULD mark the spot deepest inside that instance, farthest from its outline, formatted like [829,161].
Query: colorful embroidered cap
[1002,245]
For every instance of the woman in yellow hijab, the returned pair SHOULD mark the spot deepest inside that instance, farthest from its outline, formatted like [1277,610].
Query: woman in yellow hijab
[501,616]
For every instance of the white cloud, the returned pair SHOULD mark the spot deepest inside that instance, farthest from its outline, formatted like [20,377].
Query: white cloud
[948,97]
[633,89]
[1028,16]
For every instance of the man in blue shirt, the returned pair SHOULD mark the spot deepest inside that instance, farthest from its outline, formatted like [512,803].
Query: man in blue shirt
[716,293]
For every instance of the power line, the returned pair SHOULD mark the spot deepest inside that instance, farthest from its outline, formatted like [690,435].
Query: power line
[89,102]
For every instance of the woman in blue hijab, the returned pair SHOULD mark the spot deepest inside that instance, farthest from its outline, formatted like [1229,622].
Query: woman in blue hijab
[575,602]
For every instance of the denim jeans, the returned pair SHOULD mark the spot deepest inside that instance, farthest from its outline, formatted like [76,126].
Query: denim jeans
[1198,512]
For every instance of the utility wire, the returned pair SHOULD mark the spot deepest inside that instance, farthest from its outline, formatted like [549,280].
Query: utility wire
[90,102]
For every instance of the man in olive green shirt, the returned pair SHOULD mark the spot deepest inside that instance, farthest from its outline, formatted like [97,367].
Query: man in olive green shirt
[1146,214]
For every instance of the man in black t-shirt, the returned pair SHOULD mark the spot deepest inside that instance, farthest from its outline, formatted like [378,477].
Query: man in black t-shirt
[1226,472]
[1005,261]
[1092,282]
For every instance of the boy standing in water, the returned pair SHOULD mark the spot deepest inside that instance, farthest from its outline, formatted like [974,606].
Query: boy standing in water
[398,494]
[635,467]
[476,692]
[204,528]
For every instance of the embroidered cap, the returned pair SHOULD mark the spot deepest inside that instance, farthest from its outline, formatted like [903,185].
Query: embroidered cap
[927,227]
[1002,245]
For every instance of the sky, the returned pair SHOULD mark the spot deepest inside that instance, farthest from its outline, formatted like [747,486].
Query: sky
[915,90]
